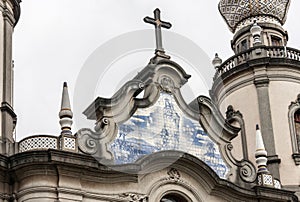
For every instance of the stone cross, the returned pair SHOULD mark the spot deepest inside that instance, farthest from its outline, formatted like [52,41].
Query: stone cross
[156,21]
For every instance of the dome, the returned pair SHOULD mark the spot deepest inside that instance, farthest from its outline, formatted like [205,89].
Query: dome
[239,13]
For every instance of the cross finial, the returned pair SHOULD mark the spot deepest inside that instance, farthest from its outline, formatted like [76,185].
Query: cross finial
[158,23]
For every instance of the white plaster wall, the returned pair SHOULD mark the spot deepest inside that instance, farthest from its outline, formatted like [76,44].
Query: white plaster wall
[282,93]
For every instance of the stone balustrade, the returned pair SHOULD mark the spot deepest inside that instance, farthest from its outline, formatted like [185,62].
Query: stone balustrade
[256,53]
[45,142]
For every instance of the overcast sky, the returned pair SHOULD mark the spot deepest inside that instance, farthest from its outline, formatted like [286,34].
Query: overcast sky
[54,38]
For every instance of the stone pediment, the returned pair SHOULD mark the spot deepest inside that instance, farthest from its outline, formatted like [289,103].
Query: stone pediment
[130,126]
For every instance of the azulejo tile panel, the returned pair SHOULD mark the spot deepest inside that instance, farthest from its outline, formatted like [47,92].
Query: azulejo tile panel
[164,126]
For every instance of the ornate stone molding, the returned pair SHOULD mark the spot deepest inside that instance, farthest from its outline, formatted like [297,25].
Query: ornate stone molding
[174,174]
[232,116]
[213,121]
[160,75]
[293,108]
[133,197]
[95,143]
[167,83]
[241,171]
[246,169]
[296,158]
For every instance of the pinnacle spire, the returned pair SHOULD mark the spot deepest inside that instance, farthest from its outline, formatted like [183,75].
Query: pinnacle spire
[264,177]
[260,153]
[65,101]
[65,113]
[217,61]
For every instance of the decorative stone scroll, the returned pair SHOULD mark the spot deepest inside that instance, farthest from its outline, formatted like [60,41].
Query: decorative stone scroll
[95,143]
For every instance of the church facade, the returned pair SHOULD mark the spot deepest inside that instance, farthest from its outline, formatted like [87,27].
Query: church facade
[149,145]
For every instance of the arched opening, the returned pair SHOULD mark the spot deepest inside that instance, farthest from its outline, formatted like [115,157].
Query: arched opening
[294,122]
[297,127]
[173,197]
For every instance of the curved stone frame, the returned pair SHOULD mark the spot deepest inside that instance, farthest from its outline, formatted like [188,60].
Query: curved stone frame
[173,182]
[293,108]
[186,191]
[242,172]
[160,75]
[236,116]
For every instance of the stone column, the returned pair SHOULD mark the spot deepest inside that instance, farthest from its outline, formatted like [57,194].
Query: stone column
[7,117]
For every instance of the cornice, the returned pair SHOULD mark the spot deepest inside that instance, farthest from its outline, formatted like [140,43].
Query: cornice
[282,64]
[87,168]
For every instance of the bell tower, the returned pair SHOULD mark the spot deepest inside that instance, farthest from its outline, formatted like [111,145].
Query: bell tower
[10,12]
[261,82]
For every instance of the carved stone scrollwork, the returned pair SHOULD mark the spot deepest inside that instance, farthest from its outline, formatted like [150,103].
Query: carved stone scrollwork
[100,127]
[88,141]
[173,174]
[229,147]
[94,143]
[134,197]
[167,83]
[247,171]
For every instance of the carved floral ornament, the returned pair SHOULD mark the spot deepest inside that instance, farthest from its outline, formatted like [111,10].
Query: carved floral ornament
[167,84]
[134,197]
[174,174]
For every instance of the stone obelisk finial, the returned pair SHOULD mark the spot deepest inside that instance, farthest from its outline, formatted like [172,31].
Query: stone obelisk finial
[264,177]
[65,113]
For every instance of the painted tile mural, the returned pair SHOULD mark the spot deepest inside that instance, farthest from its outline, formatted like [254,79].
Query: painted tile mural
[164,126]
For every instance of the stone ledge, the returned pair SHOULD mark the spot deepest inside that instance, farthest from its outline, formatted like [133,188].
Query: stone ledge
[83,167]
[296,158]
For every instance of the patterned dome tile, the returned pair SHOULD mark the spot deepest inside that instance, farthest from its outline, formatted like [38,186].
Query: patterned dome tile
[235,11]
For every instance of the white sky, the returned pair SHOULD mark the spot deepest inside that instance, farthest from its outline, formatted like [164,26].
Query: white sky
[54,38]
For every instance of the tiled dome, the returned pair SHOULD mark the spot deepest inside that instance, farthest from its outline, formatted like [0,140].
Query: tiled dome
[236,12]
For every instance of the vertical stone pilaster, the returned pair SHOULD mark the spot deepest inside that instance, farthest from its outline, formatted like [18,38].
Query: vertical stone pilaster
[261,82]
[8,117]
